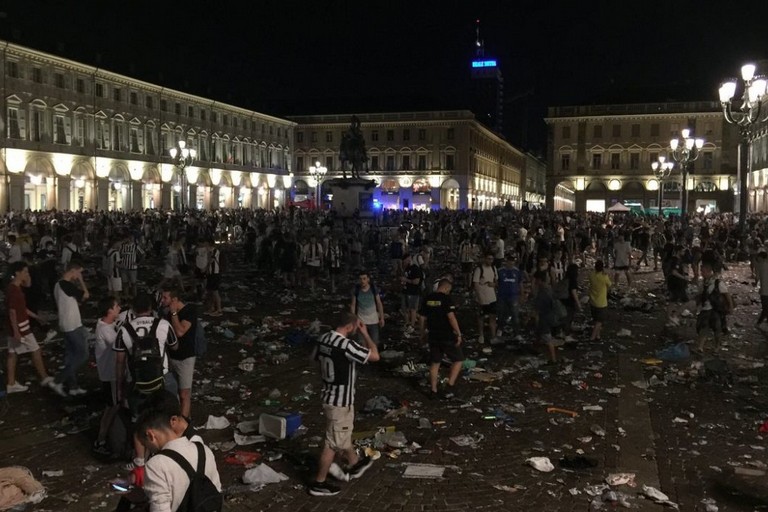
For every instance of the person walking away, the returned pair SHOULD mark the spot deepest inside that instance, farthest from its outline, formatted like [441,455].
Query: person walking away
[68,297]
[114,279]
[510,286]
[338,356]
[412,280]
[106,334]
[213,280]
[467,259]
[622,260]
[544,305]
[572,302]
[643,244]
[484,280]
[677,284]
[21,339]
[173,263]
[440,330]
[367,305]
[183,320]
[312,256]
[201,266]
[714,302]
[129,254]
[334,259]
[599,284]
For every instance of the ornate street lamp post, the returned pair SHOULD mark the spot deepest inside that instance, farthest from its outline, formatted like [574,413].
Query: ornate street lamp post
[318,172]
[685,150]
[662,169]
[744,112]
[182,157]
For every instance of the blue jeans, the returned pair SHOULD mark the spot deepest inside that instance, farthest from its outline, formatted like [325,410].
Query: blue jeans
[75,356]
[373,332]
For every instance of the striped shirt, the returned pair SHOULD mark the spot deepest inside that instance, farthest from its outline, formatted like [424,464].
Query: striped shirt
[113,263]
[338,357]
[334,256]
[128,253]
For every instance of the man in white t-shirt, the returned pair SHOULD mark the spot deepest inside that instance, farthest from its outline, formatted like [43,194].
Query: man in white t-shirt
[484,281]
[622,260]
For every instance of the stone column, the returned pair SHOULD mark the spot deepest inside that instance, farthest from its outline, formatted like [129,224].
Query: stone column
[64,193]
[16,192]
[103,194]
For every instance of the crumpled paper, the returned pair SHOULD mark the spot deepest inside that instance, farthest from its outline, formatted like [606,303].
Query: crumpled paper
[542,464]
[262,475]
[216,422]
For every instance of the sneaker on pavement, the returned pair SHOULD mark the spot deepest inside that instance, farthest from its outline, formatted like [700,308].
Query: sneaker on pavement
[338,473]
[58,388]
[16,388]
[46,381]
[77,391]
[570,339]
[50,335]
[323,489]
[100,448]
[361,467]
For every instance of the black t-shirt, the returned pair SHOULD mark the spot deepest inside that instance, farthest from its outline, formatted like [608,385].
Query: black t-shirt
[413,272]
[187,342]
[435,308]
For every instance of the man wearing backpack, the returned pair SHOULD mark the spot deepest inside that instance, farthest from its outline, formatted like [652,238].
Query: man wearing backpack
[366,304]
[182,475]
[183,319]
[485,279]
[714,302]
[143,342]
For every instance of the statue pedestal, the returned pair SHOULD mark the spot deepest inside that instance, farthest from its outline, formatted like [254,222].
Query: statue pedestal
[352,194]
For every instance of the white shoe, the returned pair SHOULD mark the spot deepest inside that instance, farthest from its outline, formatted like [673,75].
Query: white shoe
[570,339]
[481,340]
[58,388]
[16,388]
[77,392]
[50,335]
[46,381]
[338,473]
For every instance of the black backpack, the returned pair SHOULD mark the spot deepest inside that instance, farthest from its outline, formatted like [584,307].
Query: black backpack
[201,495]
[147,360]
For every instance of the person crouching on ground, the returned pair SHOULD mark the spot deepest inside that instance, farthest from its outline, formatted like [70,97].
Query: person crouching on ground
[339,355]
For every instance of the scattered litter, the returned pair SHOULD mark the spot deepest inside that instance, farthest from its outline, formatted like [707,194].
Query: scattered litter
[597,430]
[542,464]
[242,440]
[53,473]
[242,458]
[216,423]
[507,488]
[674,353]
[621,479]
[657,496]
[593,408]
[467,440]
[624,333]
[262,475]
[570,413]
[431,471]
[248,427]
[247,364]
[737,470]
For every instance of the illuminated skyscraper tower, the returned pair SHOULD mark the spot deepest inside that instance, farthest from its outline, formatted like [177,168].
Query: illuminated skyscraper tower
[488,87]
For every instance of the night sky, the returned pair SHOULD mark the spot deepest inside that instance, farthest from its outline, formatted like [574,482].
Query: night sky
[312,56]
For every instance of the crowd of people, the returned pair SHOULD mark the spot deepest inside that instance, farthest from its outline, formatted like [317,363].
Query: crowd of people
[527,274]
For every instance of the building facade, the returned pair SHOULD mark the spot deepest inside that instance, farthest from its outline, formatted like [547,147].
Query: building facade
[78,137]
[602,154]
[420,160]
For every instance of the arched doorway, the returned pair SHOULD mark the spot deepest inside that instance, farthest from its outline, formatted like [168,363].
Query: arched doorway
[595,194]
[39,188]
[422,194]
[81,186]
[203,191]
[633,193]
[118,188]
[151,188]
[564,196]
[390,193]
[449,194]
[225,192]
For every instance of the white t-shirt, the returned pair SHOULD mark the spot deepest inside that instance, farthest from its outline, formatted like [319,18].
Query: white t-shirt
[14,253]
[709,288]
[142,324]
[486,293]
[498,249]
[67,295]
[105,356]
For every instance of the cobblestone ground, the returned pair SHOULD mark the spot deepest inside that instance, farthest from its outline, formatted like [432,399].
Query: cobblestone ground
[644,431]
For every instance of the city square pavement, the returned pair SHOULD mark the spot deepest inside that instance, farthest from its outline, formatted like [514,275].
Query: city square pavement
[689,429]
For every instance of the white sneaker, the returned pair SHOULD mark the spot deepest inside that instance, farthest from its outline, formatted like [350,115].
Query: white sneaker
[46,381]
[570,339]
[50,335]
[58,388]
[16,388]
[77,391]
[481,340]
[338,473]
